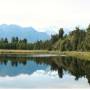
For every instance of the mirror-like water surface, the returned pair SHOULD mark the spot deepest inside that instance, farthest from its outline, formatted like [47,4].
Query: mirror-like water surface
[44,72]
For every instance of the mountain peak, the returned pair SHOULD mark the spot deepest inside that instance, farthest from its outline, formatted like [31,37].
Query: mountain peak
[32,35]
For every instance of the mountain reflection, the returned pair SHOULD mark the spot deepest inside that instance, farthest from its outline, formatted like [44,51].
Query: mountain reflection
[13,66]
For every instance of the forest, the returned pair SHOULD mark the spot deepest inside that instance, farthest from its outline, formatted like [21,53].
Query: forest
[76,40]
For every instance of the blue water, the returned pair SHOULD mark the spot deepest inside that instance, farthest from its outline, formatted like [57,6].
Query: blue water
[44,72]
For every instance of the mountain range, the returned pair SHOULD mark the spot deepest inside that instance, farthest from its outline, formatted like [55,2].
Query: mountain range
[32,35]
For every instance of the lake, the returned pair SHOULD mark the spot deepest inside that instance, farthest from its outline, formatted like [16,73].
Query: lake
[44,72]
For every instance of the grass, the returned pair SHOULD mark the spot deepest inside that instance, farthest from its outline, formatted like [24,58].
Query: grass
[81,55]
[77,54]
[6,51]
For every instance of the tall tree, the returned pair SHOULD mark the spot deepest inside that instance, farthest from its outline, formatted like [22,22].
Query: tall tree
[61,32]
[87,42]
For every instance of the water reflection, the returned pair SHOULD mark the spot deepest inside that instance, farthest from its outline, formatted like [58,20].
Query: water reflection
[22,65]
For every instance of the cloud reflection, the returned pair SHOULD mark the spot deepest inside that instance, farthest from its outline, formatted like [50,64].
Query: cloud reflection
[42,79]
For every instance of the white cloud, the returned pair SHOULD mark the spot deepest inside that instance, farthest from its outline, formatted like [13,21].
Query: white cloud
[42,79]
[44,13]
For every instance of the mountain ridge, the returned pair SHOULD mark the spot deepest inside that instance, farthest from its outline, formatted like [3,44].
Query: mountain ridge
[31,34]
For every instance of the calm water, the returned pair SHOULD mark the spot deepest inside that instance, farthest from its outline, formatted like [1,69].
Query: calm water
[44,72]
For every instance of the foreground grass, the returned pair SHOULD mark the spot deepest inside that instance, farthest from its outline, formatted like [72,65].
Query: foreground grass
[3,51]
[81,55]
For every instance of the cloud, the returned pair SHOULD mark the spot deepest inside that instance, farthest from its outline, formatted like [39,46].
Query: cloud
[42,79]
[44,13]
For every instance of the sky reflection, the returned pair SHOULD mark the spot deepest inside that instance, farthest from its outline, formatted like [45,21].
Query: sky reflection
[42,79]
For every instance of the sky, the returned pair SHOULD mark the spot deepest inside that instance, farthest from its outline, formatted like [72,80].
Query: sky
[45,14]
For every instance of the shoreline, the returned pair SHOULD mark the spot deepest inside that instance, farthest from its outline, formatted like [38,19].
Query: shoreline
[78,54]
[22,51]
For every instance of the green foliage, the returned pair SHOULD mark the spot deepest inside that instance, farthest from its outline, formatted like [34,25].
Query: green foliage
[76,40]
[14,44]
[61,32]
[54,38]
[87,40]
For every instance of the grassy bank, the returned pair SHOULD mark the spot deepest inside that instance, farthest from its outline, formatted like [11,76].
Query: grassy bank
[3,51]
[77,54]
[81,55]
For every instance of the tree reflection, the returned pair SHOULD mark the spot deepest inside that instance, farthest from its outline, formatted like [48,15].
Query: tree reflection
[76,67]
[60,72]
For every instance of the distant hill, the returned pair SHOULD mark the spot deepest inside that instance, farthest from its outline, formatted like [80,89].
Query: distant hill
[29,33]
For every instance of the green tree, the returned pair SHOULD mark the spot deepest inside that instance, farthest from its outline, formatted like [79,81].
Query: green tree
[61,32]
[87,42]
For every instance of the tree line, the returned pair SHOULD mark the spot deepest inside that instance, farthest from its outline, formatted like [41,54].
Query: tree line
[23,44]
[76,40]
